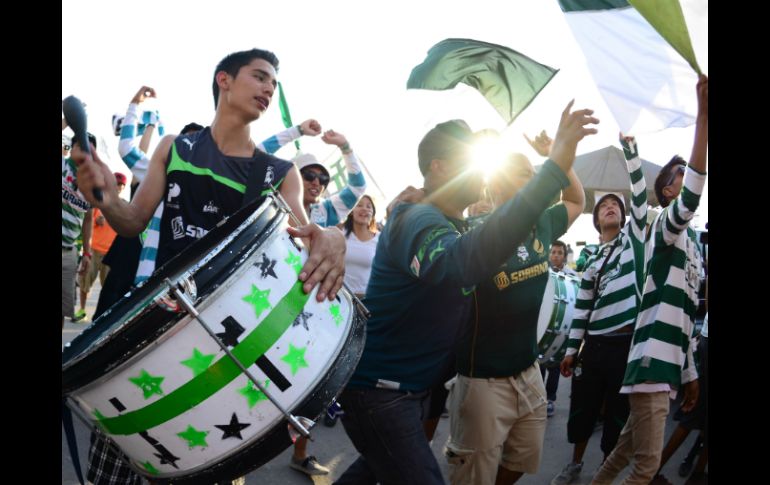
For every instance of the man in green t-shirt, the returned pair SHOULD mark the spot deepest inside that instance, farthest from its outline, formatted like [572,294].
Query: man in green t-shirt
[499,400]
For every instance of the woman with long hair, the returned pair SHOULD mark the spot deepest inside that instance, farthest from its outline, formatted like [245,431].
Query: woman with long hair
[361,234]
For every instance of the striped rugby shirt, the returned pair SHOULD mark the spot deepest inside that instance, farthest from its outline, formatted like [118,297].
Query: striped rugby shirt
[615,302]
[73,204]
[330,212]
[662,348]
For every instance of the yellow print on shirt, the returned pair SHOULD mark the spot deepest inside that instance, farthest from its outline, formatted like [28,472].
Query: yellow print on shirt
[527,273]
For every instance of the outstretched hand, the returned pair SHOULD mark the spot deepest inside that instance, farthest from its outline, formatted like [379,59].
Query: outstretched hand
[542,143]
[331,137]
[572,129]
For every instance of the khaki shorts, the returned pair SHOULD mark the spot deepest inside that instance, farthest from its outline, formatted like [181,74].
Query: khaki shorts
[496,421]
[69,263]
[95,268]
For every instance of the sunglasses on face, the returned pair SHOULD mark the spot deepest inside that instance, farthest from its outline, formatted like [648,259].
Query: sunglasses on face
[323,179]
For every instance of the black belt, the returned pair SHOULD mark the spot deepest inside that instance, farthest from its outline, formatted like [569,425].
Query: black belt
[64,248]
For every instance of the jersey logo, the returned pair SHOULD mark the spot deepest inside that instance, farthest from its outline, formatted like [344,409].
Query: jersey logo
[538,246]
[522,254]
[415,266]
[177,227]
[502,281]
[189,143]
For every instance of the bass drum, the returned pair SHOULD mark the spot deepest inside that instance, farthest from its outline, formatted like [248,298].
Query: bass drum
[170,399]
[556,314]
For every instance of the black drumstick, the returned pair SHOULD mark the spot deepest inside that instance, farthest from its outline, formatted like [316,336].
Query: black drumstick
[75,114]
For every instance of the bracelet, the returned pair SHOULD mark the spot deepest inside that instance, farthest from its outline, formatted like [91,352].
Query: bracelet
[299,127]
[86,254]
[345,148]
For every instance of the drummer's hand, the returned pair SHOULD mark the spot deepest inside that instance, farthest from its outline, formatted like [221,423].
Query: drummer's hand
[326,262]
[566,365]
[690,398]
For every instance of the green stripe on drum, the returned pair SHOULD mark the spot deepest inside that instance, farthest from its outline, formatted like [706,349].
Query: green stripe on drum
[218,375]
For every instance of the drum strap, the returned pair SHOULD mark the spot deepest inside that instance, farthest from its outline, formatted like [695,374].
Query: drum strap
[256,179]
[601,270]
[69,432]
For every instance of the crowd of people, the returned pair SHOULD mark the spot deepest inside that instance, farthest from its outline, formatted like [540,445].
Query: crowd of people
[454,300]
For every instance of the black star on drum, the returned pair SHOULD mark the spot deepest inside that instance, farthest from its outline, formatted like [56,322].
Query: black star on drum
[304,317]
[233,429]
[267,266]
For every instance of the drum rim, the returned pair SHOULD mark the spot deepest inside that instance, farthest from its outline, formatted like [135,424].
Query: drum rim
[257,225]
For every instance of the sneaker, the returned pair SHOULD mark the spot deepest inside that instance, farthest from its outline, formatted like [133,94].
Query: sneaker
[568,475]
[550,409]
[309,466]
[79,315]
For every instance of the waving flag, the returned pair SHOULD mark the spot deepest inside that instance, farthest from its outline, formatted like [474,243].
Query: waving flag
[646,84]
[508,79]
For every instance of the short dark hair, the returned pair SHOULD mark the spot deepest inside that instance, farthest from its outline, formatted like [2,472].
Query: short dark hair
[233,63]
[190,127]
[561,245]
[621,204]
[664,178]
[444,142]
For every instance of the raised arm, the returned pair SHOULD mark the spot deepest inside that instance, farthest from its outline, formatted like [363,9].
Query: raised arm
[135,155]
[339,205]
[572,196]
[127,218]
[308,127]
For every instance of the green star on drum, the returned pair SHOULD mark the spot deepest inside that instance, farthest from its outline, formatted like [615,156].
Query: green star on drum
[194,437]
[252,394]
[198,362]
[335,311]
[258,299]
[294,261]
[295,358]
[151,469]
[148,383]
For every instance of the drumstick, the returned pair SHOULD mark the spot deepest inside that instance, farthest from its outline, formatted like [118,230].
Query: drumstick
[76,118]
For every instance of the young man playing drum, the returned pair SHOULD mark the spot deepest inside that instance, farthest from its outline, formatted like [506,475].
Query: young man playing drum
[498,403]
[605,310]
[419,294]
[193,171]
[661,358]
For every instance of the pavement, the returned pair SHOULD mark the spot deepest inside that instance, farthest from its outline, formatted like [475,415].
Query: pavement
[334,450]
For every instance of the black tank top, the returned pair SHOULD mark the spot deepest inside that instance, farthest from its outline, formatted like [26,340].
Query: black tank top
[203,187]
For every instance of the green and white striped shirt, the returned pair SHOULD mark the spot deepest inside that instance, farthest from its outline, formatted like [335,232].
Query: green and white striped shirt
[615,302]
[73,205]
[662,350]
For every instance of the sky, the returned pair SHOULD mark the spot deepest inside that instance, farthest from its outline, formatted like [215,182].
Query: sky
[346,64]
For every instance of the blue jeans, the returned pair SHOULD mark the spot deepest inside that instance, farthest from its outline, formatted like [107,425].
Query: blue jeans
[385,426]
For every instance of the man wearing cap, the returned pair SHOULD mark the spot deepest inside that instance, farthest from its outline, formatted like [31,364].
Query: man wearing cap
[102,236]
[420,294]
[316,177]
[660,361]
[606,307]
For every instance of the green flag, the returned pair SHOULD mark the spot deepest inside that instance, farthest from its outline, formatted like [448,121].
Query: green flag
[508,79]
[285,115]
[667,19]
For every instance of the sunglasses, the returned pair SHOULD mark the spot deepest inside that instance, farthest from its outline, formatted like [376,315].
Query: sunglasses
[323,179]
[679,169]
